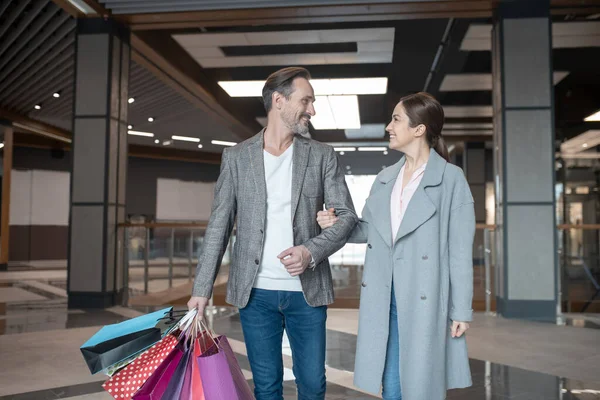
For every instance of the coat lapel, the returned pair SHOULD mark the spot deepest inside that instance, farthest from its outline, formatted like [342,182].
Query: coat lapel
[300,161]
[257,164]
[379,201]
[421,207]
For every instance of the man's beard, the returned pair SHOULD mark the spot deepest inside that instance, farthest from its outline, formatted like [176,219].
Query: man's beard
[297,126]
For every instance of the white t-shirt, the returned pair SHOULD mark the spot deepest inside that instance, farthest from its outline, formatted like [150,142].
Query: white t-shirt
[279,234]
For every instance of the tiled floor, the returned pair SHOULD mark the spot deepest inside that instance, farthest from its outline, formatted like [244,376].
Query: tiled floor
[509,359]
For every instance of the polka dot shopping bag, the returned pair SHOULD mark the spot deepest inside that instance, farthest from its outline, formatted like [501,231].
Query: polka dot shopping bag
[125,383]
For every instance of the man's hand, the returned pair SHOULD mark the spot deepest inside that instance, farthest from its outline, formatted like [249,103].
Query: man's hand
[198,303]
[325,219]
[458,328]
[298,260]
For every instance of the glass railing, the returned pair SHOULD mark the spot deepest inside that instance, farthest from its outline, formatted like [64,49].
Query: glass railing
[169,260]
[579,262]
[160,256]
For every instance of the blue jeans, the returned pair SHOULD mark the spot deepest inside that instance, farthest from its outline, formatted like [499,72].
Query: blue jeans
[265,317]
[391,372]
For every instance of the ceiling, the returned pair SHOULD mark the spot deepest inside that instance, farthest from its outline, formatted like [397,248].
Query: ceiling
[448,57]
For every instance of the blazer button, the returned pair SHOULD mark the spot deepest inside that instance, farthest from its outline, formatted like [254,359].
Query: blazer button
[425,257]
[257,261]
[363,284]
[369,246]
[423,297]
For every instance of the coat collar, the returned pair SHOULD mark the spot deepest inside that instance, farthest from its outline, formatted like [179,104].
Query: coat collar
[420,208]
[434,171]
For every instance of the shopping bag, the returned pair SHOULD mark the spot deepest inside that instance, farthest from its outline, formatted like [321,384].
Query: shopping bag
[196,390]
[179,387]
[176,381]
[126,382]
[156,384]
[107,353]
[222,377]
[130,326]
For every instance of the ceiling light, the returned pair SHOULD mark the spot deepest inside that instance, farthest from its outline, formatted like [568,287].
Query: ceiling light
[131,100]
[347,167]
[372,148]
[342,153]
[323,118]
[344,148]
[222,143]
[243,88]
[157,141]
[366,131]
[82,6]
[138,133]
[585,140]
[385,153]
[199,146]
[336,112]
[37,107]
[345,111]
[167,142]
[1,145]
[326,87]
[322,87]
[185,138]
[56,95]
[595,117]
[349,173]
[150,119]
[129,126]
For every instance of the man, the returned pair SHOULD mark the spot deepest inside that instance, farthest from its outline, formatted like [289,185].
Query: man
[273,185]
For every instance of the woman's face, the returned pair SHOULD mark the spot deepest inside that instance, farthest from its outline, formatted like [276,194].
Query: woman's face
[401,134]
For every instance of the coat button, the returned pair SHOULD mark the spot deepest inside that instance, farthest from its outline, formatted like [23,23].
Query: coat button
[363,284]
[369,246]
[261,231]
[257,261]
[423,297]
[425,257]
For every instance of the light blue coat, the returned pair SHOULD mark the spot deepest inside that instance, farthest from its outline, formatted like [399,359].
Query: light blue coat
[430,265]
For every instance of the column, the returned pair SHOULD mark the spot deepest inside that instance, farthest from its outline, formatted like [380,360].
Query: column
[526,278]
[6,134]
[95,268]
[475,172]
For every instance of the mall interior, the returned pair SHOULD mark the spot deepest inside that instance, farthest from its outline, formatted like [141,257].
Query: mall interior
[114,115]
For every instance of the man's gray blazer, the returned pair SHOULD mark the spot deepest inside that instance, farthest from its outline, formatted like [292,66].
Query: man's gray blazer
[241,197]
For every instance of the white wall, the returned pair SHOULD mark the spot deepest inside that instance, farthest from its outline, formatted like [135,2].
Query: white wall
[39,198]
[178,200]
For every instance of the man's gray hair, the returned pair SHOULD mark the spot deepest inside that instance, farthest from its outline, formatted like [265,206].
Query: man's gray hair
[282,82]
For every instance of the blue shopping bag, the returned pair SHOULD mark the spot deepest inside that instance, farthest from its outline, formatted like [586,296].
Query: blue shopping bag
[128,327]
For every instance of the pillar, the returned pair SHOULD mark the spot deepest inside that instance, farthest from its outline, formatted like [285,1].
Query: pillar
[97,205]
[524,160]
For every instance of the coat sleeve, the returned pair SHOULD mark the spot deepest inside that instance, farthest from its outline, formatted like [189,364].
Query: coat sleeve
[460,241]
[336,196]
[360,233]
[220,226]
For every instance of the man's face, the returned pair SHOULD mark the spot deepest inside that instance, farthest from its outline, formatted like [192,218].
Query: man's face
[298,109]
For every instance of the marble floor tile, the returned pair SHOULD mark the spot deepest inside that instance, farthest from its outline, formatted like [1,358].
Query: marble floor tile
[17,295]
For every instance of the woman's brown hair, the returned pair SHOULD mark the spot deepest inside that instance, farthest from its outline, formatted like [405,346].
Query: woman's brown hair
[423,108]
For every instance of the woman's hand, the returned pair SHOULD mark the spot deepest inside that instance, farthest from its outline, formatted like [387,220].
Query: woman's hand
[325,219]
[459,328]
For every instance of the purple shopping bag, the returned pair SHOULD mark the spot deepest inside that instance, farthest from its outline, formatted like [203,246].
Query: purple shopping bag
[222,377]
[156,385]
[186,390]
[177,380]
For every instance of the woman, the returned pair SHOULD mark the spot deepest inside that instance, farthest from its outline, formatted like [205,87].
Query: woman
[415,301]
